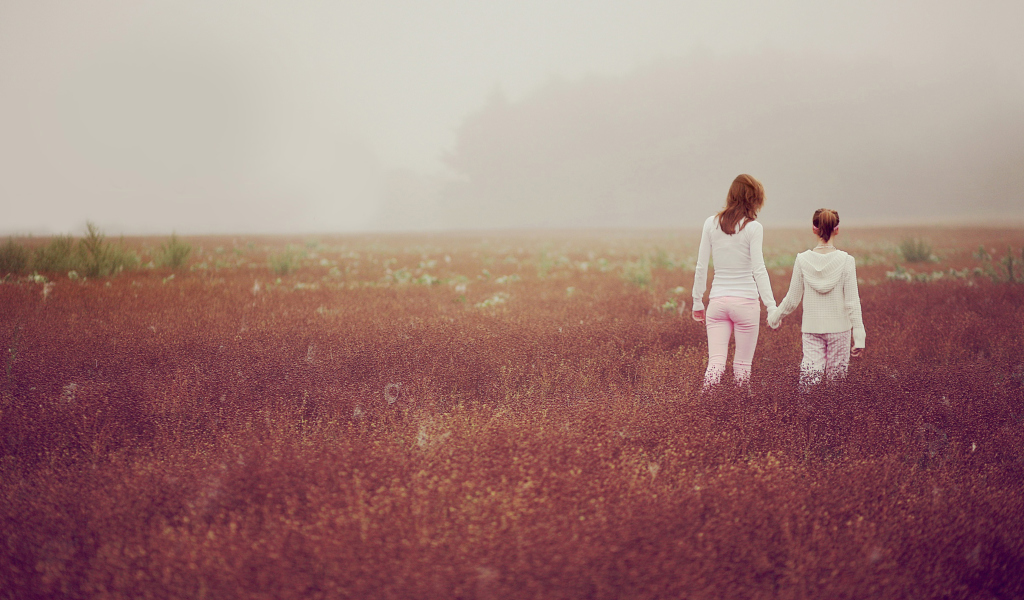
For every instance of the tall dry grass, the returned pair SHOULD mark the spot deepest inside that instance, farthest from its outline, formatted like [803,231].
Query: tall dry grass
[340,434]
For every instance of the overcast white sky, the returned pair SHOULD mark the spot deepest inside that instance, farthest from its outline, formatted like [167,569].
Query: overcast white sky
[261,115]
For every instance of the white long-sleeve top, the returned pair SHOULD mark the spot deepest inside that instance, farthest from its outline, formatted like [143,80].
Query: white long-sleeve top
[827,284]
[739,264]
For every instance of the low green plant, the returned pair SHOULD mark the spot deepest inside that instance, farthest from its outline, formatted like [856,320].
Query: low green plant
[544,265]
[780,261]
[57,256]
[14,257]
[916,250]
[495,300]
[402,275]
[1011,265]
[92,251]
[638,273]
[173,253]
[662,260]
[899,274]
[283,263]
[98,258]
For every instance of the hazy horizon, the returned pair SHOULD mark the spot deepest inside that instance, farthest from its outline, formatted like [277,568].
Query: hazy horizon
[273,117]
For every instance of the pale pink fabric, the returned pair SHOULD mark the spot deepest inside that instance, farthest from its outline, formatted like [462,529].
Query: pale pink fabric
[727,315]
[825,354]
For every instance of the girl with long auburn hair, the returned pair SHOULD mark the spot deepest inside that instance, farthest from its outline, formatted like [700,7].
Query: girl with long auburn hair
[825,278]
[733,239]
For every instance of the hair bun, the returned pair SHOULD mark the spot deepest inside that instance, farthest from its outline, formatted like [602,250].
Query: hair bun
[825,221]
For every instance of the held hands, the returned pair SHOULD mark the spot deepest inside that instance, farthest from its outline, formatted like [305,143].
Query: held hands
[775,319]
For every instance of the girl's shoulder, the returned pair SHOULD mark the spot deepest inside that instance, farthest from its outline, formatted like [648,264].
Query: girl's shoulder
[746,229]
[845,256]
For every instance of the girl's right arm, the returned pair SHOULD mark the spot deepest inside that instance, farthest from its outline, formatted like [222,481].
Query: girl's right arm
[793,296]
[700,273]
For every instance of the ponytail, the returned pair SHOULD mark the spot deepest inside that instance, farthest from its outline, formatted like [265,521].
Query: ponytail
[825,222]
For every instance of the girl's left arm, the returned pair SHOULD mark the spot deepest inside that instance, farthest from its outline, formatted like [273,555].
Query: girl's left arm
[792,297]
[764,285]
[700,272]
[851,294]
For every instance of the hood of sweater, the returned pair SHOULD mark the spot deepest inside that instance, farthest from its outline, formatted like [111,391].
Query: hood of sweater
[823,271]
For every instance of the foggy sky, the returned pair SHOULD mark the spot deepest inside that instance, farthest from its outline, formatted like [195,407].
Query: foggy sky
[273,116]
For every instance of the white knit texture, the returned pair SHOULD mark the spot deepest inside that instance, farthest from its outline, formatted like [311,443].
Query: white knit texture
[739,264]
[831,311]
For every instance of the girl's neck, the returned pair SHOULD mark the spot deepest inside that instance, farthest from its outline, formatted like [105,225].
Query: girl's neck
[824,247]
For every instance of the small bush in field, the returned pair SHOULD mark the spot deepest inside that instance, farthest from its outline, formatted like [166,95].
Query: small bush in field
[98,258]
[1012,266]
[173,253]
[916,250]
[13,257]
[283,263]
[663,260]
[58,255]
[638,273]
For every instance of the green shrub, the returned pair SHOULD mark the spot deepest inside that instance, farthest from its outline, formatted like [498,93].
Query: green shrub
[99,258]
[173,253]
[663,260]
[123,258]
[916,250]
[638,273]
[57,256]
[1011,265]
[283,263]
[13,257]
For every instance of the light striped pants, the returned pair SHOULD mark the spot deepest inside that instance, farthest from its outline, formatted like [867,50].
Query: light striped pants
[825,354]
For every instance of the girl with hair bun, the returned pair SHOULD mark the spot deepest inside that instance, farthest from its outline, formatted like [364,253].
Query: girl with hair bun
[825,278]
[733,238]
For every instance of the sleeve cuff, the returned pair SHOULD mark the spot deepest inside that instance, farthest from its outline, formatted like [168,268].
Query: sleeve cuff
[698,304]
[858,337]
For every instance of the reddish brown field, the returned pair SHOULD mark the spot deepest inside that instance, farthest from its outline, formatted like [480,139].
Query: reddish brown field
[504,416]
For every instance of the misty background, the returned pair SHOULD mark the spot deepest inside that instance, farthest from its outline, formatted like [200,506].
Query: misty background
[294,117]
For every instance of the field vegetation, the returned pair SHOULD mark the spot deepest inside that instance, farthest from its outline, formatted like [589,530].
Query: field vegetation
[498,416]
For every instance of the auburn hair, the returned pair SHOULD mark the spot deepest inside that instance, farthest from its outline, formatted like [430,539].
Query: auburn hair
[745,199]
[825,221]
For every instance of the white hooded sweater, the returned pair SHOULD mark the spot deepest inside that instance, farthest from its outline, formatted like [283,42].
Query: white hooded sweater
[827,283]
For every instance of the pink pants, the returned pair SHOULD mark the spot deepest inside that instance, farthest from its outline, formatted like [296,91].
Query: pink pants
[724,316]
[825,354]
